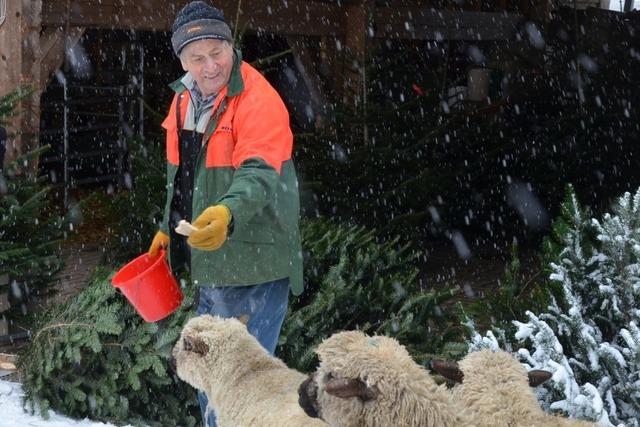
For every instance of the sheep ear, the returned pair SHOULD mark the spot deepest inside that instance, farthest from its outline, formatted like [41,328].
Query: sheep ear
[447,369]
[244,319]
[195,345]
[349,387]
[537,377]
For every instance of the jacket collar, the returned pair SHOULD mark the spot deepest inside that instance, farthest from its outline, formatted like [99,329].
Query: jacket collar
[235,85]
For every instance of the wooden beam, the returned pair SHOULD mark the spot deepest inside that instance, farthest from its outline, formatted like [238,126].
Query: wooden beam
[289,17]
[430,24]
[53,45]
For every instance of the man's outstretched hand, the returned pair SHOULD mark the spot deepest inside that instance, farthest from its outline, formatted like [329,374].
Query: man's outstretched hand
[212,228]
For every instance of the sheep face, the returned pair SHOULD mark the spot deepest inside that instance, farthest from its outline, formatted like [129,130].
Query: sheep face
[342,396]
[308,396]
[372,381]
[203,341]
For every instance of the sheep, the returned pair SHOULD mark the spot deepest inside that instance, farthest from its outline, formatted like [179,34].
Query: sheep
[496,389]
[245,384]
[367,381]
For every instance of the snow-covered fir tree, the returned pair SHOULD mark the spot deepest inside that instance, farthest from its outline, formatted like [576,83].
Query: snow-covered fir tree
[590,336]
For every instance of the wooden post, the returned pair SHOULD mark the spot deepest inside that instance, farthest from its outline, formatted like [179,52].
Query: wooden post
[11,62]
[4,303]
[359,30]
[20,54]
[10,48]
[357,24]
[28,58]
[330,65]
[307,68]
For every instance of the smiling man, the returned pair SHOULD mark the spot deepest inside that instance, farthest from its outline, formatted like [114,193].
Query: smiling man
[230,173]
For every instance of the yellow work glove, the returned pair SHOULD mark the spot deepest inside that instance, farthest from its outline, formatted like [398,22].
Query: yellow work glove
[212,226]
[160,240]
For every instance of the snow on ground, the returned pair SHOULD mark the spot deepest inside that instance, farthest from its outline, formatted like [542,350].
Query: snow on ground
[12,413]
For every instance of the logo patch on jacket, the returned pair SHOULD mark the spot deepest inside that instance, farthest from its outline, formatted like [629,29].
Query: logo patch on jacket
[226,128]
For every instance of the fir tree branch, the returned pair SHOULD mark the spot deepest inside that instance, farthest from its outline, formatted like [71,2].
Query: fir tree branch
[62,325]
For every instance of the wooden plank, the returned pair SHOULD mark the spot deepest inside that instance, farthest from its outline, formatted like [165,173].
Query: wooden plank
[4,302]
[6,366]
[8,362]
[430,24]
[6,357]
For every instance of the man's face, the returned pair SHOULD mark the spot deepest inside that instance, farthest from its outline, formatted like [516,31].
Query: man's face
[209,61]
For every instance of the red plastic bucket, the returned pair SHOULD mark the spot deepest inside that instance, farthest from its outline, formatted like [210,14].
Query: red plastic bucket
[149,286]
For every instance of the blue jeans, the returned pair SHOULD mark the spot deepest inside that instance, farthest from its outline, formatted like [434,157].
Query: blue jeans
[266,305]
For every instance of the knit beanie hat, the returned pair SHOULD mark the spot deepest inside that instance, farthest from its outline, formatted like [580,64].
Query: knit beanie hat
[197,21]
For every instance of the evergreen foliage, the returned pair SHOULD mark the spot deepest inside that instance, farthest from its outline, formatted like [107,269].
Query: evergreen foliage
[138,211]
[95,357]
[475,162]
[514,294]
[8,104]
[126,221]
[30,231]
[359,283]
[29,238]
[519,291]
[589,335]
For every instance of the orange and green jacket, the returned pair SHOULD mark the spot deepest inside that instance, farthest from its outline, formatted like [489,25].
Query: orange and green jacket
[244,163]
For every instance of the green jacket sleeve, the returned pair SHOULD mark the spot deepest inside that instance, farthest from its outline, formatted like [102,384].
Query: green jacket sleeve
[253,187]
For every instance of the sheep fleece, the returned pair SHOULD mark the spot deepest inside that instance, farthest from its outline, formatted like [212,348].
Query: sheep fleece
[407,395]
[245,384]
[496,391]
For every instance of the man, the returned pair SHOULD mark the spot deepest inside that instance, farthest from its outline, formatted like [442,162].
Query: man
[230,173]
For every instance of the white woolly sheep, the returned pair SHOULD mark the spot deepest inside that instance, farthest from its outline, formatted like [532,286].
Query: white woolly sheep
[367,381]
[496,390]
[245,384]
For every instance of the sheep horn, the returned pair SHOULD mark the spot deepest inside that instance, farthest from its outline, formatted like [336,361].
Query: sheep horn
[449,370]
[350,387]
[195,345]
[537,377]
